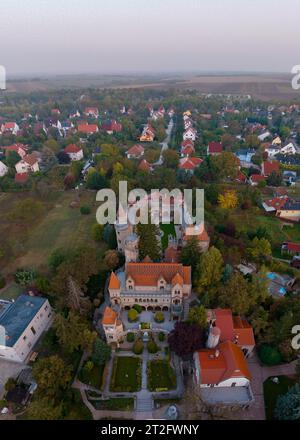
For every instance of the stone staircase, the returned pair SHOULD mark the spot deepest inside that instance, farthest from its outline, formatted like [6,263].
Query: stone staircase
[144,404]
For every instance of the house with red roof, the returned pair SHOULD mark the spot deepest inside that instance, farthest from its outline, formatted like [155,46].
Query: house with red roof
[144,165]
[255,179]
[91,112]
[269,167]
[88,129]
[214,148]
[148,134]
[21,178]
[20,149]
[188,164]
[111,126]
[112,326]
[74,152]
[187,148]
[190,133]
[29,164]
[135,152]
[221,370]
[10,127]
[291,248]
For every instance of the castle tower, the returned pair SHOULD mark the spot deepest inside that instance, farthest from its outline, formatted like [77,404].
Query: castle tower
[213,337]
[131,248]
[122,232]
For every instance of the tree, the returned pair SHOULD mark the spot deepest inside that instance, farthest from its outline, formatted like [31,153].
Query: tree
[228,200]
[73,332]
[111,259]
[198,315]
[75,298]
[95,180]
[43,409]
[159,317]
[185,339]
[170,158]
[191,253]
[259,321]
[269,355]
[148,243]
[69,180]
[53,376]
[101,353]
[63,158]
[12,159]
[52,144]
[260,249]
[288,405]
[210,270]
[274,179]
[236,294]
[132,315]
[225,165]
[25,277]
[57,257]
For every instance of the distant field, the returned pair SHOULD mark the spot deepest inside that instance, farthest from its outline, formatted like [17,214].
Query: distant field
[61,226]
[260,86]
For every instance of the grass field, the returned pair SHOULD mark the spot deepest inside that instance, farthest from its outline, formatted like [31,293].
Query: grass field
[11,291]
[126,374]
[60,226]
[272,391]
[161,376]
[93,377]
[115,404]
[167,230]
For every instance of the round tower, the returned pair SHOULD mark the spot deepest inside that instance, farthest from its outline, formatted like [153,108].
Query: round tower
[131,248]
[213,337]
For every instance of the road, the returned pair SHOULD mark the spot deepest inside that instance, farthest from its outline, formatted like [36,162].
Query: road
[165,143]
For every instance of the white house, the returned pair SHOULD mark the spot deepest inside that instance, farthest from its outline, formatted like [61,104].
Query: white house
[3,169]
[288,149]
[22,323]
[263,136]
[10,127]
[190,133]
[75,153]
[275,149]
[28,164]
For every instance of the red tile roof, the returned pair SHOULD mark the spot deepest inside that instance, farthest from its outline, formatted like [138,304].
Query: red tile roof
[87,128]
[215,147]
[72,148]
[233,329]
[147,274]
[257,178]
[269,167]
[109,316]
[114,282]
[144,165]
[21,178]
[293,247]
[136,150]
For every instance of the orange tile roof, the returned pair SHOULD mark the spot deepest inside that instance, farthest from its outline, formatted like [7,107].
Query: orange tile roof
[147,274]
[72,148]
[109,316]
[177,279]
[234,328]
[243,331]
[202,236]
[114,282]
[30,159]
[229,363]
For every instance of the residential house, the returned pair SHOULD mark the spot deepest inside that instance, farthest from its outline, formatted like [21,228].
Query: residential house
[269,167]
[290,248]
[275,204]
[144,165]
[187,148]
[3,169]
[255,179]
[188,164]
[21,178]
[91,112]
[264,135]
[199,232]
[171,112]
[290,210]
[22,322]
[88,129]
[135,152]
[28,164]
[190,133]
[111,126]
[74,114]
[21,149]
[75,153]
[289,177]
[245,155]
[214,148]
[10,127]
[148,134]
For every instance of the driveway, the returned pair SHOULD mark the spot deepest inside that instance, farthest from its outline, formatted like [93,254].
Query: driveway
[8,369]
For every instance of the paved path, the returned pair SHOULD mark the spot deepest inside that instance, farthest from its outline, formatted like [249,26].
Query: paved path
[165,143]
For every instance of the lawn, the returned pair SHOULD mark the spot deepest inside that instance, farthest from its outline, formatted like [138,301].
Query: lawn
[11,291]
[60,226]
[167,230]
[272,391]
[161,376]
[126,374]
[115,404]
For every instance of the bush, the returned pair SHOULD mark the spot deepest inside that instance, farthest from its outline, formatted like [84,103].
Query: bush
[130,337]
[152,347]
[161,336]
[2,282]
[85,210]
[269,355]
[138,308]
[138,347]
[159,317]
[97,232]
[132,315]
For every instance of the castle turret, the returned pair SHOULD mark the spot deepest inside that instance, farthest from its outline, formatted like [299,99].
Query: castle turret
[131,248]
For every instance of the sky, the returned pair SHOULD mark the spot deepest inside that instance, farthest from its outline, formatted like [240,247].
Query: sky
[138,36]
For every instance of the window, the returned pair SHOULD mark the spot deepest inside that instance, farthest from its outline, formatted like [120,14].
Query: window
[33,330]
[24,338]
[46,308]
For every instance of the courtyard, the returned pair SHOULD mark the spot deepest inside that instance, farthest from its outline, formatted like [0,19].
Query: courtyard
[148,317]
[126,374]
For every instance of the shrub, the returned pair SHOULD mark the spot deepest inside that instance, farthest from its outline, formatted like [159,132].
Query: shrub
[269,355]
[25,277]
[132,315]
[85,210]
[159,317]
[130,337]
[152,347]
[138,308]
[138,347]
[97,232]
[161,336]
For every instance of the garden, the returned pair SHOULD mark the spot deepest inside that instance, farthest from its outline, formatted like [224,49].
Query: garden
[126,374]
[273,390]
[92,374]
[161,376]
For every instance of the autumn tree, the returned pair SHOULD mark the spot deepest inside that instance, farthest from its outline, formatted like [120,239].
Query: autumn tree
[170,158]
[191,253]
[73,332]
[198,315]
[43,409]
[185,339]
[228,200]
[210,270]
[260,249]
[225,165]
[111,259]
